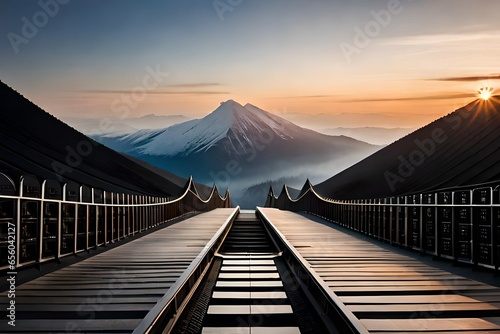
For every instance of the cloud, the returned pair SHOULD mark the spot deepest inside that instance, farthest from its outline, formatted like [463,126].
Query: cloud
[193,92]
[471,78]
[439,38]
[416,98]
[195,85]
[304,97]
[313,96]
[176,89]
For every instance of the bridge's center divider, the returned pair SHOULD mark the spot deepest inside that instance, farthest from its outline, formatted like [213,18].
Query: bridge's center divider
[126,287]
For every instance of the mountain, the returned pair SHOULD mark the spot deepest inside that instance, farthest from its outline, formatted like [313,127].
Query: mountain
[372,135]
[155,121]
[240,127]
[92,126]
[34,142]
[460,149]
[319,122]
[239,146]
[256,195]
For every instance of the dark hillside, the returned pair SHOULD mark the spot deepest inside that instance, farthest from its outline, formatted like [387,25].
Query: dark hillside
[460,149]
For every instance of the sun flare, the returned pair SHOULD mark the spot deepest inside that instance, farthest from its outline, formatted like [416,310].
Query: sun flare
[485,93]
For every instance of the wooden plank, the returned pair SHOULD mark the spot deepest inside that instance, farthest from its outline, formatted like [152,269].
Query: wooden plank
[436,307]
[90,293]
[402,289]
[429,324]
[78,300]
[443,332]
[394,278]
[343,273]
[71,325]
[405,283]
[91,286]
[409,299]
[25,307]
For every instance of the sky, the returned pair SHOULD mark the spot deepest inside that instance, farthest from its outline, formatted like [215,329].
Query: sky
[121,58]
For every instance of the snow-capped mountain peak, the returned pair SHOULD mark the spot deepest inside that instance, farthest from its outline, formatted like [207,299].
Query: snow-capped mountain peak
[242,126]
[275,122]
[238,146]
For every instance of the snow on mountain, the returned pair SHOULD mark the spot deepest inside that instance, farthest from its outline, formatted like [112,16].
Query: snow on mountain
[278,124]
[238,146]
[122,126]
[242,125]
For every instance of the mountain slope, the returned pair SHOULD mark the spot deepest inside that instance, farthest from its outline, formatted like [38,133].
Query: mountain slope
[230,120]
[34,142]
[462,148]
[239,146]
[373,135]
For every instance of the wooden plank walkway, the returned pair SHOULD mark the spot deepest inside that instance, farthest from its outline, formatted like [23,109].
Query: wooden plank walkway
[386,290]
[113,291]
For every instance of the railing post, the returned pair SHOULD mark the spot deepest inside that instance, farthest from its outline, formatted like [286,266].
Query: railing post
[462,226]
[482,226]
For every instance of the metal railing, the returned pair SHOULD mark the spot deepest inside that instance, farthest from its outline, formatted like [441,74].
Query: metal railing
[460,224]
[45,221]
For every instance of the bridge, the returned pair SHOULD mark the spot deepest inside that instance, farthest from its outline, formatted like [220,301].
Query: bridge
[90,261]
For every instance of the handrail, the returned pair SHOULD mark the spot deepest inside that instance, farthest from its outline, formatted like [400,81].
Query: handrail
[271,192]
[117,216]
[464,228]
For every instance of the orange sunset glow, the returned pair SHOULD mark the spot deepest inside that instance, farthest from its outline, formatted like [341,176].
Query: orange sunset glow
[291,58]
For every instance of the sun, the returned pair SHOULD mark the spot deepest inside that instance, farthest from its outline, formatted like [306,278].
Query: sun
[485,93]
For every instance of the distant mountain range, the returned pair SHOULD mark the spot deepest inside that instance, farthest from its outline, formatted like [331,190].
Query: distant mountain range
[372,135]
[322,121]
[460,149]
[377,135]
[240,146]
[93,126]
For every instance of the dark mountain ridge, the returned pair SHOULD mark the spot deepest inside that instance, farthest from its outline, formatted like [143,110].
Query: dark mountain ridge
[460,149]
[34,142]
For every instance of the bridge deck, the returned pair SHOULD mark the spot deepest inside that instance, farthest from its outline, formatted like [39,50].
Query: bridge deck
[113,291]
[386,290]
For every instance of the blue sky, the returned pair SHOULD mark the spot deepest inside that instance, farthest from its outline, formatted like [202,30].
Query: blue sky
[275,54]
